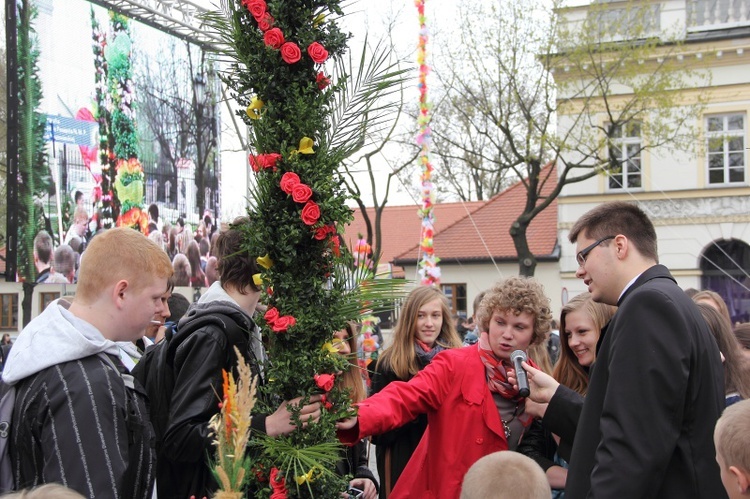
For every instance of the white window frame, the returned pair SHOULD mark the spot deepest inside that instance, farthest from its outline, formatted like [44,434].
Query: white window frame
[726,136]
[622,142]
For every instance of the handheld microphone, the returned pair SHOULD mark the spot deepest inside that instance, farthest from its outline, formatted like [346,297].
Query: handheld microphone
[516,358]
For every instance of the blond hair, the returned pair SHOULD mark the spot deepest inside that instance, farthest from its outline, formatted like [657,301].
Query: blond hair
[48,491]
[517,295]
[505,474]
[119,254]
[567,370]
[352,377]
[712,296]
[401,356]
[736,373]
[732,436]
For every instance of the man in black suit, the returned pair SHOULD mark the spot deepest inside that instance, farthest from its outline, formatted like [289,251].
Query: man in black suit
[656,389]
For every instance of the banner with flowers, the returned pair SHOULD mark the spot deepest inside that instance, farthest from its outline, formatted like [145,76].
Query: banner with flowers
[122,180]
[280,75]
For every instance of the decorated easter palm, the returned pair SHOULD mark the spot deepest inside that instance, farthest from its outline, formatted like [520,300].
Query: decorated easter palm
[303,121]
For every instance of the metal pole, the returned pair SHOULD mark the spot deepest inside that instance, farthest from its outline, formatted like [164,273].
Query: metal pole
[11,44]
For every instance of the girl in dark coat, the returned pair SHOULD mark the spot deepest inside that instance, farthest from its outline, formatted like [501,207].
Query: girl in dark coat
[423,329]
[355,461]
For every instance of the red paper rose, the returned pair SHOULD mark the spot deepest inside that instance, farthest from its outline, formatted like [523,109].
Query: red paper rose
[324,381]
[301,193]
[288,181]
[270,159]
[321,233]
[266,22]
[256,7]
[326,403]
[278,485]
[290,52]
[271,315]
[310,213]
[322,80]
[282,323]
[336,246]
[261,161]
[317,53]
[274,38]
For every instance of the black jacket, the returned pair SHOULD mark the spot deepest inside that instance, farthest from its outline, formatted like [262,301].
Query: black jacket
[199,358]
[355,463]
[398,445]
[656,391]
[83,428]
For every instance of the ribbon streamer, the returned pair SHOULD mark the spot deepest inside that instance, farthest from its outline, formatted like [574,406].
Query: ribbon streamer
[428,268]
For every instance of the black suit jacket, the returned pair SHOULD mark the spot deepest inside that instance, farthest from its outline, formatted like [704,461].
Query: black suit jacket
[656,391]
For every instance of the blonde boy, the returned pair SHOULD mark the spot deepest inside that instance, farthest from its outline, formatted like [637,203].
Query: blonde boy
[505,474]
[732,441]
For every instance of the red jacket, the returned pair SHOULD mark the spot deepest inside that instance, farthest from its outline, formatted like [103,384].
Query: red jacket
[464,424]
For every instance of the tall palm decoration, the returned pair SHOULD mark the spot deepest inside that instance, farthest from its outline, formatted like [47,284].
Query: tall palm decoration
[34,174]
[305,116]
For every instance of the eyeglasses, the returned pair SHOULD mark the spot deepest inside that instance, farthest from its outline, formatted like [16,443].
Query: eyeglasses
[581,256]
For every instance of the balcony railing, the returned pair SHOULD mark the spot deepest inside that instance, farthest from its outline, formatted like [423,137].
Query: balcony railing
[705,15]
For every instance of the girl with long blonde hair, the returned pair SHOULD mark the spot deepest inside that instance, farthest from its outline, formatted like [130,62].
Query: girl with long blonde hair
[424,329]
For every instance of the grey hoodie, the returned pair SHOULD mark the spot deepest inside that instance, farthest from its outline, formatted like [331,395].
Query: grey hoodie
[54,337]
[77,420]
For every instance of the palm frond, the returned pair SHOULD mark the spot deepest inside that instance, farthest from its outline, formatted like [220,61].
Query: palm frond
[363,106]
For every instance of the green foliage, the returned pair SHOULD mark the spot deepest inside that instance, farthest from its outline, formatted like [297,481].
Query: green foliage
[310,278]
[34,174]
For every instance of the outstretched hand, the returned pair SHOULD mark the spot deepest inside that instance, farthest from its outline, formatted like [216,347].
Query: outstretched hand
[541,384]
[280,422]
[347,424]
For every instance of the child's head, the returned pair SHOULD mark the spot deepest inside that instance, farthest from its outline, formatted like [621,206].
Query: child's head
[581,322]
[505,474]
[425,301]
[236,267]
[517,295]
[732,441]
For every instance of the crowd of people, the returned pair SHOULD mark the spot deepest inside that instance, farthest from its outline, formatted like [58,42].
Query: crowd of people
[624,404]
[189,250]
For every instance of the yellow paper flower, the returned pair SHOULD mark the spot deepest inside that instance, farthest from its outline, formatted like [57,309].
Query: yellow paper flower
[330,348]
[265,261]
[319,19]
[307,477]
[254,109]
[257,280]
[306,146]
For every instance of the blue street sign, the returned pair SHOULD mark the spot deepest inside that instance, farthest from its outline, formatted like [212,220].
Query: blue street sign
[71,131]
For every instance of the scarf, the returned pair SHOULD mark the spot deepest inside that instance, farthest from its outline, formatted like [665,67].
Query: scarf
[496,370]
[425,353]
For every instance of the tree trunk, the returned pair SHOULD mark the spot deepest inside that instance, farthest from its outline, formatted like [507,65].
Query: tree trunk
[526,259]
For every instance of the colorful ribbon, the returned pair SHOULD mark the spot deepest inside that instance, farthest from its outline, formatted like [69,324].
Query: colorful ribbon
[428,268]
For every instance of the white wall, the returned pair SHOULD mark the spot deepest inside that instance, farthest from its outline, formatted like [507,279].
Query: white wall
[481,276]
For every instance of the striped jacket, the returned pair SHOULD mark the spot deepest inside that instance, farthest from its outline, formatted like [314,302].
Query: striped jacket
[78,424]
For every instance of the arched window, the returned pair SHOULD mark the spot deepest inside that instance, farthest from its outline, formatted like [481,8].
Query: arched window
[725,265]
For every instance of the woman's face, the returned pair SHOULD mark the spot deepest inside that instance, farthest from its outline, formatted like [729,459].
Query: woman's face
[341,342]
[745,351]
[430,321]
[509,332]
[582,336]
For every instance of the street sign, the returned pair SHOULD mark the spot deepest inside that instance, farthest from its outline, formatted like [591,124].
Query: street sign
[64,130]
